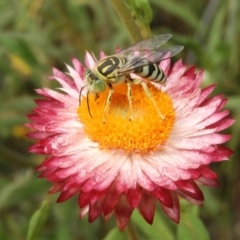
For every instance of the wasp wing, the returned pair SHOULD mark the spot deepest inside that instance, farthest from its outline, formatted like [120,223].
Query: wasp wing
[151,43]
[143,58]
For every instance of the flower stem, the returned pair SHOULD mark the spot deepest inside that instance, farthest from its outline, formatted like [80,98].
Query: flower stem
[131,231]
[127,20]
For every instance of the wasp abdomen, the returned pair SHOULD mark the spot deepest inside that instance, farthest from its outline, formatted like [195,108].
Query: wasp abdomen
[152,72]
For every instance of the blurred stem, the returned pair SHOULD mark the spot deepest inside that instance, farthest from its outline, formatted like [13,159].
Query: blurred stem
[131,231]
[127,20]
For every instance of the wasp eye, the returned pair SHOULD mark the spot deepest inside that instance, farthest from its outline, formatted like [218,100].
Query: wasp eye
[98,86]
[92,76]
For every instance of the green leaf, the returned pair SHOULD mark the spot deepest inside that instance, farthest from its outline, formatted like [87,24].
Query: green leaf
[233,103]
[144,6]
[20,47]
[9,190]
[142,13]
[179,9]
[215,33]
[191,226]
[37,221]
[231,36]
[20,104]
[114,234]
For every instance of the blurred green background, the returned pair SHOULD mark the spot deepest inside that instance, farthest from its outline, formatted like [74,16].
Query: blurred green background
[37,35]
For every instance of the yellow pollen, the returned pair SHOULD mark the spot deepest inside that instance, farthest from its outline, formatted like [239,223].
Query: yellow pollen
[145,132]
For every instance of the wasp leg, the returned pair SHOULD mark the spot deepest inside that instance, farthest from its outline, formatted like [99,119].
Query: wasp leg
[146,90]
[109,98]
[129,96]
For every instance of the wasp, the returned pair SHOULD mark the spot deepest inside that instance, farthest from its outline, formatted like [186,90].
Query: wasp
[141,59]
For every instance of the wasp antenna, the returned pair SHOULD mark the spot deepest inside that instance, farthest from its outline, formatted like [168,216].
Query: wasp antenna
[94,57]
[88,105]
[80,94]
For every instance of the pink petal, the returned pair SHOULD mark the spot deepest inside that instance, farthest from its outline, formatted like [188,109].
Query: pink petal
[94,211]
[147,207]
[109,202]
[164,196]
[89,60]
[174,212]
[134,196]
[123,211]
[191,189]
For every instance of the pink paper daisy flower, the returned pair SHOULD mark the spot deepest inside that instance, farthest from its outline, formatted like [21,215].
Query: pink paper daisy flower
[120,165]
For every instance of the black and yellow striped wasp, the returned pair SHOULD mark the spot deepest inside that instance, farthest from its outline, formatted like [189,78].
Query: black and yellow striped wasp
[141,59]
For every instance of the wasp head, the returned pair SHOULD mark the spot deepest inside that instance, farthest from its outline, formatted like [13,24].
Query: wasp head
[94,83]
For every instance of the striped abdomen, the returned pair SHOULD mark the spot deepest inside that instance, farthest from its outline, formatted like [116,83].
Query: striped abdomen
[152,72]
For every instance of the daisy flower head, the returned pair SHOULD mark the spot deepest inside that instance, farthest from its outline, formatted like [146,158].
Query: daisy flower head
[120,164]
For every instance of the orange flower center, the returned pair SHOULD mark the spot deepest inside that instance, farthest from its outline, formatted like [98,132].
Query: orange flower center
[145,132]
